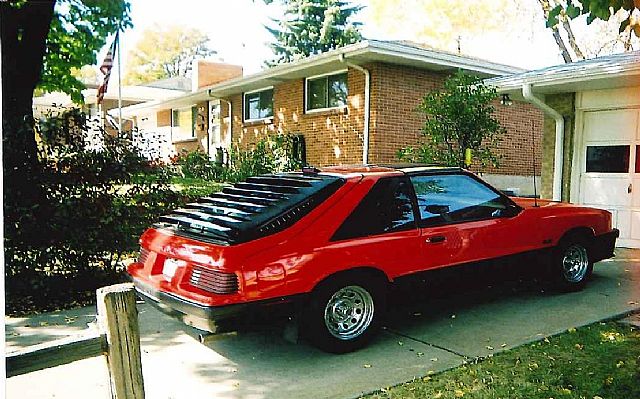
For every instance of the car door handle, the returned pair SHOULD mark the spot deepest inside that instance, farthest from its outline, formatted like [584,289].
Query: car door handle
[435,239]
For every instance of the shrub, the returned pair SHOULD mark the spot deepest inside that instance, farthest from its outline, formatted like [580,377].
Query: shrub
[92,209]
[197,165]
[269,155]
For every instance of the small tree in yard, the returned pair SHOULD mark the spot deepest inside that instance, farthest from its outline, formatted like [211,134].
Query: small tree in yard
[458,117]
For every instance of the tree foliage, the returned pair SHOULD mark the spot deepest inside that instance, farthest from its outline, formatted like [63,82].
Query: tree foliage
[78,30]
[458,117]
[42,40]
[440,23]
[624,14]
[165,52]
[312,27]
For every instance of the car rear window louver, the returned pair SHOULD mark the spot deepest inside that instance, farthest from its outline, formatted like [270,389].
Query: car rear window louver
[257,207]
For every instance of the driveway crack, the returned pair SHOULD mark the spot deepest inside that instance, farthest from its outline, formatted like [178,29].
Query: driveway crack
[465,357]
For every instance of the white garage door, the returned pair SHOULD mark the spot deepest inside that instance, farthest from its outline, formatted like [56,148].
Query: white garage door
[610,172]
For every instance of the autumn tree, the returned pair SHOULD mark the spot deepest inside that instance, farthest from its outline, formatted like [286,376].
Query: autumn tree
[165,53]
[311,27]
[458,117]
[443,23]
[42,40]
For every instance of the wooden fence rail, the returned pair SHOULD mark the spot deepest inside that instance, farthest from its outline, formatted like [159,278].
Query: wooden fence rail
[117,337]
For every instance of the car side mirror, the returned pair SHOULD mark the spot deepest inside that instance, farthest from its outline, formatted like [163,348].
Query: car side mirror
[437,209]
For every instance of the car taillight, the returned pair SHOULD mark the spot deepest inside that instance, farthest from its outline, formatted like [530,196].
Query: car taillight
[214,281]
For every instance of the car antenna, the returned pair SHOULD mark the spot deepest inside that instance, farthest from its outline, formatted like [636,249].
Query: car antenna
[533,144]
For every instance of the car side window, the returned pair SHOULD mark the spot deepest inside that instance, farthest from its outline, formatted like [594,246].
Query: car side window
[454,198]
[388,207]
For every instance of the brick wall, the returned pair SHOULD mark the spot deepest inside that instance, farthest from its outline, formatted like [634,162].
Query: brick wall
[564,104]
[335,137]
[332,137]
[396,94]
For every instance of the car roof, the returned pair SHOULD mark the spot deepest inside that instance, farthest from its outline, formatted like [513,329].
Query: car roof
[392,169]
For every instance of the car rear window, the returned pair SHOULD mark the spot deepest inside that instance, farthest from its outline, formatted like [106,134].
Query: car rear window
[387,207]
[257,207]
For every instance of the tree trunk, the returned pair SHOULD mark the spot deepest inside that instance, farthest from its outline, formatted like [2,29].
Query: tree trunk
[566,56]
[23,34]
[572,39]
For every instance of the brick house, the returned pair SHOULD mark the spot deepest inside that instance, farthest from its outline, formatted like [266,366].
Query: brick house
[591,139]
[353,105]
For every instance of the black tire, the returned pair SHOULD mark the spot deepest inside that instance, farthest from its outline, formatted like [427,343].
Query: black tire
[571,265]
[339,318]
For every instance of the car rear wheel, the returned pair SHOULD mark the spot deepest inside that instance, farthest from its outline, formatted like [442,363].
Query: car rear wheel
[344,313]
[572,266]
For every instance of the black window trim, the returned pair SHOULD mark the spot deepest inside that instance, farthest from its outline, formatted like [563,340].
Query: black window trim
[414,204]
[244,105]
[421,222]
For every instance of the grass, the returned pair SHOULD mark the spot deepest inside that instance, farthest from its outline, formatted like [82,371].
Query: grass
[597,361]
[195,187]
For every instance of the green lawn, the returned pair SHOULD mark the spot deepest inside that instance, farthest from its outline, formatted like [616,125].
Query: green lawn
[598,361]
[196,187]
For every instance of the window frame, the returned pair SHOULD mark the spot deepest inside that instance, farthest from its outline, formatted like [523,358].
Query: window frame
[422,222]
[326,76]
[176,132]
[245,108]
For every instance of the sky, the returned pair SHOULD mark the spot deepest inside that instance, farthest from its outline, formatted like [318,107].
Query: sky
[237,33]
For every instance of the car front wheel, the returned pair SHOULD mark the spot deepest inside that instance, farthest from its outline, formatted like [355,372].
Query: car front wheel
[572,265]
[344,313]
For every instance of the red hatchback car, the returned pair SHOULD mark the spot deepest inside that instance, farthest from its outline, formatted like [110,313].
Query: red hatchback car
[336,239]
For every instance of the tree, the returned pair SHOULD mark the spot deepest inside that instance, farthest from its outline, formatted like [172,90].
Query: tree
[312,27]
[165,53]
[40,44]
[442,23]
[458,117]
[621,15]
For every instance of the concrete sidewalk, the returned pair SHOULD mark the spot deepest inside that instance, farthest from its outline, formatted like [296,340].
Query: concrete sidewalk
[420,337]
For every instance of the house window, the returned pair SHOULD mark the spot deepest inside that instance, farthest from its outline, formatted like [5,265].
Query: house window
[183,123]
[608,158]
[327,91]
[258,105]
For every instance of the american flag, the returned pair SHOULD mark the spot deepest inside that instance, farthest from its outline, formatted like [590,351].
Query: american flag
[105,68]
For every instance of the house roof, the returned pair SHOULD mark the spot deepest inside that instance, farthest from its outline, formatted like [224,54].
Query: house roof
[174,83]
[618,70]
[362,53]
[131,93]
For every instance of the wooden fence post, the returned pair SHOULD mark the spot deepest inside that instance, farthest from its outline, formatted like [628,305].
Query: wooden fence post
[118,318]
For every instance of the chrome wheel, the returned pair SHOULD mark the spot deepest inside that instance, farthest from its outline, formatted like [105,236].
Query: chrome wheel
[349,312]
[575,263]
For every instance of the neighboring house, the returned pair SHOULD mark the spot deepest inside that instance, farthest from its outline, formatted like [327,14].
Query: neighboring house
[187,123]
[597,105]
[353,105]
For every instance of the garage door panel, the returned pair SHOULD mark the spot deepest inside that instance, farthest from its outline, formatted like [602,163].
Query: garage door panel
[613,125]
[605,191]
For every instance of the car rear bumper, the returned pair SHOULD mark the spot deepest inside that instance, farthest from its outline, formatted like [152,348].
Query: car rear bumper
[604,245]
[215,319]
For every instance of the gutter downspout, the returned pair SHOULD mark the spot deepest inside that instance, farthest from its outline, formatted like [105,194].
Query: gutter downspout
[367,105]
[558,159]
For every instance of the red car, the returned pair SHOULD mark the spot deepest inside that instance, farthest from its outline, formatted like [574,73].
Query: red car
[335,240]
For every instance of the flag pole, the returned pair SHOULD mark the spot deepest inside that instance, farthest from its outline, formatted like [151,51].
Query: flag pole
[119,87]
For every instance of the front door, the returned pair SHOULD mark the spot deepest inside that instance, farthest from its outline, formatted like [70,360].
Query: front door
[215,135]
[610,176]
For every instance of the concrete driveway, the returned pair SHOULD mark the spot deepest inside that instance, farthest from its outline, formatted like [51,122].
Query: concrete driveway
[421,336]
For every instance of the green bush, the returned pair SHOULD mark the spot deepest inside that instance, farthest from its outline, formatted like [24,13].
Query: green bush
[197,165]
[270,155]
[92,209]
